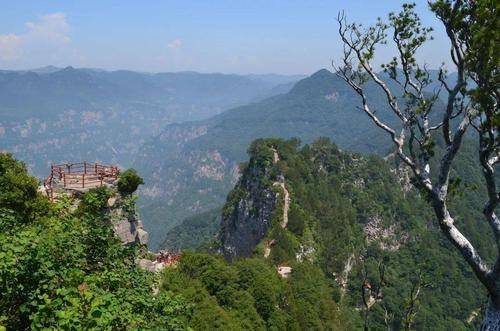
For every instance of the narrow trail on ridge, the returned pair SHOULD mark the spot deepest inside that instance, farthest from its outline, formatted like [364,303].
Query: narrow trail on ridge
[286,207]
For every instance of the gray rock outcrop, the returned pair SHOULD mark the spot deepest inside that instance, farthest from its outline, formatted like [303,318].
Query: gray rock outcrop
[250,213]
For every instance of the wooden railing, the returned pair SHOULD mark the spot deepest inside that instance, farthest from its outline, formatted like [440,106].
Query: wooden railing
[79,176]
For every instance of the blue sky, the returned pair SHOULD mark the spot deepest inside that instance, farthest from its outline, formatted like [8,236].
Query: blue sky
[288,37]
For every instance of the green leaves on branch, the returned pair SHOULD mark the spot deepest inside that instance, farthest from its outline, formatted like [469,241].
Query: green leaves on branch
[129,181]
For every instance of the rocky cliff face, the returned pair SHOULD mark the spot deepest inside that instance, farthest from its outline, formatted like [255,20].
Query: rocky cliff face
[249,211]
[121,211]
[126,223]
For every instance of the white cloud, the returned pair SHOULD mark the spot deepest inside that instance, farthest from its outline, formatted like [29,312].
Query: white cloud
[51,28]
[45,41]
[9,47]
[175,44]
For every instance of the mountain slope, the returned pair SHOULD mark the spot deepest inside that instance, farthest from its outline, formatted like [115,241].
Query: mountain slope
[353,217]
[190,167]
[194,232]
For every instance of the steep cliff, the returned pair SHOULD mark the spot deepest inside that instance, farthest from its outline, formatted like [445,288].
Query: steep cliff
[120,210]
[125,219]
[248,215]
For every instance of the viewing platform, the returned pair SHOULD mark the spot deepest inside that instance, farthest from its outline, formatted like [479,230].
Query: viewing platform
[79,177]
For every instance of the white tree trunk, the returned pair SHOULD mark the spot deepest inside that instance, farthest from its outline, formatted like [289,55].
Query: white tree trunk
[491,320]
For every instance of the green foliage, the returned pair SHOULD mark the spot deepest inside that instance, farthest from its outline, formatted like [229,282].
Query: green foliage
[285,247]
[66,270]
[476,30]
[95,200]
[20,201]
[249,295]
[335,197]
[297,220]
[313,306]
[129,181]
[129,206]
[194,231]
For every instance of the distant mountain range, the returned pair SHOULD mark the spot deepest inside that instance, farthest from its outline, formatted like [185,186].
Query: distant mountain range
[55,114]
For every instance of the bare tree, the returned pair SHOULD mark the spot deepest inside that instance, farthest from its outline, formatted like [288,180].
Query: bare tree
[468,25]
[412,302]
[371,293]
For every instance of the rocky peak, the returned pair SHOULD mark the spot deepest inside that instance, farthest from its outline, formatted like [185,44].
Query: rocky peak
[263,218]
[250,207]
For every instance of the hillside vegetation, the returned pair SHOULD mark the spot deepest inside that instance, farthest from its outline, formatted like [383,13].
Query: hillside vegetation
[352,217]
[61,267]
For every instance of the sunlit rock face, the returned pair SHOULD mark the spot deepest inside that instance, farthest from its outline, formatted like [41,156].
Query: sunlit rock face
[250,218]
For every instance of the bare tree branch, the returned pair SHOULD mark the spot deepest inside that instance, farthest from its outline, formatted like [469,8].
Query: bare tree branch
[408,36]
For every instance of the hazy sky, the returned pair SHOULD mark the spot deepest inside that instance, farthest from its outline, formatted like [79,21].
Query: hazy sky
[290,37]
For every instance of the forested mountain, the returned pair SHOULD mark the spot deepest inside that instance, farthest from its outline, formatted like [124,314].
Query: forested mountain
[190,167]
[365,197]
[361,223]
[53,114]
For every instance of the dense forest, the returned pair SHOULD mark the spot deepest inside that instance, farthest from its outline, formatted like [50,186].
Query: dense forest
[345,207]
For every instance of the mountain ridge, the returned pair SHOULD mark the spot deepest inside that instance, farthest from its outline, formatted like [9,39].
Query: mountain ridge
[62,114]
[185,160]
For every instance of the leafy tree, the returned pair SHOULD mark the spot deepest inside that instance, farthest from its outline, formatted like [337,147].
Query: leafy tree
[129,181]
[20,201]
[473,31]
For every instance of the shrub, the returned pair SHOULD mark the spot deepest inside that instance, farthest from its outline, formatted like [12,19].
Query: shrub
[20,201]
[95,200]
[128,181]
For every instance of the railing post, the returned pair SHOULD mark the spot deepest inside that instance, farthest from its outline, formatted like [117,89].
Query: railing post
[64,179]
[84,167]
[83,181]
